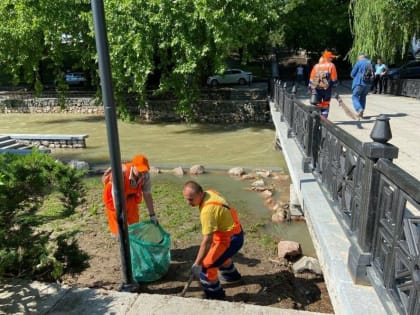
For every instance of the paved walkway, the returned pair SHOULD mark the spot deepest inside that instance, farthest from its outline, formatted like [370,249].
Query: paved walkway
[404,114]
[40,298]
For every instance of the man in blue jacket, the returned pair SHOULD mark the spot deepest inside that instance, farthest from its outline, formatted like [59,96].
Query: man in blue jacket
[361,84]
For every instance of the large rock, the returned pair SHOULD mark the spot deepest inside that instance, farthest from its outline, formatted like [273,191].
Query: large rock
[288,248]
[236,171]
[272,204]
[196,169]
[263,173]
[178,171]
[248,177]
[279,216]
[258,183]
[281,178]
[307,264]
[266,194]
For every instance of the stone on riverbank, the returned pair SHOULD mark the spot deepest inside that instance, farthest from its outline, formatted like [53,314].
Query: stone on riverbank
[307,263]
[288,248]
[178,171]
[236,171]
[197,169]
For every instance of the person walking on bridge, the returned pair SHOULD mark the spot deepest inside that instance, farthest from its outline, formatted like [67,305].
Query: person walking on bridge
[362,73]
[322,80]
[137,185]
[222,238]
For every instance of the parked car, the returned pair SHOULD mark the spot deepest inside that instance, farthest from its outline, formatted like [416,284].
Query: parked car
[230,76]
[75,78]
[410,70]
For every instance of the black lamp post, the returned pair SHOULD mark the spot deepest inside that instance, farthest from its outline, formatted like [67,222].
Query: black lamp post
[113,141]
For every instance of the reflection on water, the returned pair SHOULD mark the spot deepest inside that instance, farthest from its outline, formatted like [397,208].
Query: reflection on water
[164,144]
[248,202]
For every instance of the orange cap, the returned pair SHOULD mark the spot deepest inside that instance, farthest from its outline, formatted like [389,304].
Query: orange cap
[328,54]
[141,163]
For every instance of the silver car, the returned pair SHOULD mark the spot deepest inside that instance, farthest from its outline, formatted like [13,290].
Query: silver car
[230,76]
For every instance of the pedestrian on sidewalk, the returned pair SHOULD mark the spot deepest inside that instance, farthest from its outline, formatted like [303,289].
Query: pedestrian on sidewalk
[379,85]
[222,238]
[299,74]
[321,82]
[137,185]
[361,83]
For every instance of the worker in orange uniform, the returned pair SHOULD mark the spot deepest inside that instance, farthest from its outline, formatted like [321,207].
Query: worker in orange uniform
[222,238]
[322,80]
[137,185]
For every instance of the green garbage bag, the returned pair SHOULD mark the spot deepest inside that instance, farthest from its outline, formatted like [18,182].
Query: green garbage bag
[150,251]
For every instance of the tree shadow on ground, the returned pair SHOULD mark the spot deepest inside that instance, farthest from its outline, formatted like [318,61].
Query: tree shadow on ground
[280,286]
[260,286]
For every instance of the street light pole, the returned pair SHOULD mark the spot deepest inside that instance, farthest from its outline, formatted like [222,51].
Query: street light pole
[113,140]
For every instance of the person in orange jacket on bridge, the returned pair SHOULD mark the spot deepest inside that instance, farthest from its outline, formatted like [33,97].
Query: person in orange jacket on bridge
[137,185]
[322,79]
[222,238]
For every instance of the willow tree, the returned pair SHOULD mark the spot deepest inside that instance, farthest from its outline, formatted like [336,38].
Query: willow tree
[384,28]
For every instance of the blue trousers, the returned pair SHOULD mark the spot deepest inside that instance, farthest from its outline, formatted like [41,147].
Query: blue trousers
[359,97]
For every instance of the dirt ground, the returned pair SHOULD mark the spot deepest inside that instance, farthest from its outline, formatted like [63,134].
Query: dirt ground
[264,282]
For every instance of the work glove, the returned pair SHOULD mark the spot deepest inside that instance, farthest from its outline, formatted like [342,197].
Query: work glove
[154,219]
[196,270]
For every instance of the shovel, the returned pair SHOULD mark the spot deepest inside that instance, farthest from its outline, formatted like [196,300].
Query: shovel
[187,285]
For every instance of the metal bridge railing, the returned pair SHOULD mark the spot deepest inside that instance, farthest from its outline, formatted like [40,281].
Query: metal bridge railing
[377,202]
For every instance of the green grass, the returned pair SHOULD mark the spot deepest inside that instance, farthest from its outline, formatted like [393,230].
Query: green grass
[175,215]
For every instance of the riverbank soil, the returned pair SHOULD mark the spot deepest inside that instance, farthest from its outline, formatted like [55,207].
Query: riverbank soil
[264,281]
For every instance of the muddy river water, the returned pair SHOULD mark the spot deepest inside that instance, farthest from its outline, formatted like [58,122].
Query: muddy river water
[170,145]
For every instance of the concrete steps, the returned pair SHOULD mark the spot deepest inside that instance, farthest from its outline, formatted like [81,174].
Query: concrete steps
[11,145]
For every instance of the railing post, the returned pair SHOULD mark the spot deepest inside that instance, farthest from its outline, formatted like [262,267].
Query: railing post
[276,95]
[361,241]
[290,105]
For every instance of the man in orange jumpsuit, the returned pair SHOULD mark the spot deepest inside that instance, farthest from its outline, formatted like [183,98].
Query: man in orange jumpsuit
[222,238]
[137,185]
[322,79]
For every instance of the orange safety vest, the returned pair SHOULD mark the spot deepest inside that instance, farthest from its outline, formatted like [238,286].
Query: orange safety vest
[325,66]
[219,236]
[133,197]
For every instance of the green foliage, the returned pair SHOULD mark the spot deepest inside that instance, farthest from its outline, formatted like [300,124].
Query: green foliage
[316,25]
[27,180]
[384,28]
[32,39]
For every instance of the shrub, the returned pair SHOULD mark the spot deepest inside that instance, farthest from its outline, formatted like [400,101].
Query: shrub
[25,182]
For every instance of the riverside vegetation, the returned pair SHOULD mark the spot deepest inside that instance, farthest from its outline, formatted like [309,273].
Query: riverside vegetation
[56,229]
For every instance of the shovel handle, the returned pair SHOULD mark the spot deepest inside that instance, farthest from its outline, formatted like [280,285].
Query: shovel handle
[187,285]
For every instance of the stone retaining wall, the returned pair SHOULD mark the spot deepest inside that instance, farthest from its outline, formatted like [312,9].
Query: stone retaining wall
[223,106]
[55,143]
[404,87]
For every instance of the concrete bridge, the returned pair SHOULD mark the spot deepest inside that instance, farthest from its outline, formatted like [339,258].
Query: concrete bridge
[361,202]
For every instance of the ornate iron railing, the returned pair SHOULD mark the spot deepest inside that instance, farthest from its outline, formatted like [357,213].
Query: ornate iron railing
[377,202]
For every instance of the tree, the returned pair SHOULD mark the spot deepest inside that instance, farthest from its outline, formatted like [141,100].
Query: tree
[316,25]
[179,43]
[384,28]
[41,34]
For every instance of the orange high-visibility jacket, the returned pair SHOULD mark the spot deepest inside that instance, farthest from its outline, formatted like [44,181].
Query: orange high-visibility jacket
[133,197]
